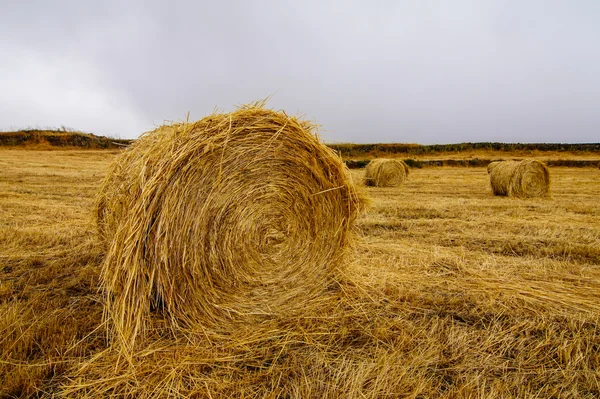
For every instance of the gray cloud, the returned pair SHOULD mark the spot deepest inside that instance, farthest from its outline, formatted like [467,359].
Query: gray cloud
[386,71]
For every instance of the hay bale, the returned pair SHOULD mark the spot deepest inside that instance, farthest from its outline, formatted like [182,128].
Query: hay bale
[492,165]
[525,179]
[238,214]
[385,172]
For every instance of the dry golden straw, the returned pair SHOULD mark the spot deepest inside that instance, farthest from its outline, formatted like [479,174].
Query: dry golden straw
[524,179]
[385,172]
[233,216]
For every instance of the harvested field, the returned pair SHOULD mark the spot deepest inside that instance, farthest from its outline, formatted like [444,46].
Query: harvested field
[452,292]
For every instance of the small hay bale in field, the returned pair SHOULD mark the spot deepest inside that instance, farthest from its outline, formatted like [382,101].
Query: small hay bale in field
[525,179]
[238,214]
[385,172]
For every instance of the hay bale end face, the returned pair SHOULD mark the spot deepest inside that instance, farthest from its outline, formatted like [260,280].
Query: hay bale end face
[523,179]
[385,173]
[237,214]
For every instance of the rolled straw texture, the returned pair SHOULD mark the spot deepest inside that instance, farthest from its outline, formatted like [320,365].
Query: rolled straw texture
[235,215]
[524,179]
[385,172]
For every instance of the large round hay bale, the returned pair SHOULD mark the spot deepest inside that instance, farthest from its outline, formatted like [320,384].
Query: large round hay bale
[238,214]
[385,172]
[525,179]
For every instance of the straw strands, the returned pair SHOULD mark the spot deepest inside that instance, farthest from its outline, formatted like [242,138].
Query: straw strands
[385,172]
[527,178]
[235,216]
[425,307]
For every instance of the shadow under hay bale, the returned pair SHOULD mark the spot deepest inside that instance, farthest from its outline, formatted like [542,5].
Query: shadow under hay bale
[385,172]
[523,179]
[235,216]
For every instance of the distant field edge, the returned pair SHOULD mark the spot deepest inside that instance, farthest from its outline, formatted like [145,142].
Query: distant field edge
[53,139]
[476,162]
[349,150]
[355,155]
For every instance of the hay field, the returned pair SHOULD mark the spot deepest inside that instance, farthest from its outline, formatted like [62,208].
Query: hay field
[452,293]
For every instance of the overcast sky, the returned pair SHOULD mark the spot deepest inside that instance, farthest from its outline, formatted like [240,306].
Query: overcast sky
[415,71]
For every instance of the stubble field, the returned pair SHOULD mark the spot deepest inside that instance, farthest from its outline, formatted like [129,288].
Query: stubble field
[451,292]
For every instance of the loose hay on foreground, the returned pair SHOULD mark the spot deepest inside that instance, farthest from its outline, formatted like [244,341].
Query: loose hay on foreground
[385,172]
[524,179]
[449,294]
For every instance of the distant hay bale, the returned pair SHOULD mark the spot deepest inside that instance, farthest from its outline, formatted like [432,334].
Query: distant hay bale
[385,172]
[525,179]
[238,214]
